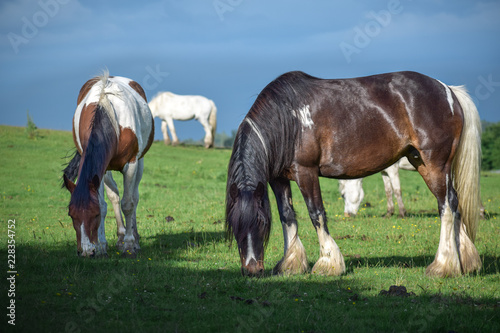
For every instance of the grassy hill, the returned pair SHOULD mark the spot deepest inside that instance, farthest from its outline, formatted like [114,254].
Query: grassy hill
[187,277]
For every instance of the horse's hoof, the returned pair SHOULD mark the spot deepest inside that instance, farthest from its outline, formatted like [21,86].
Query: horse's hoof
[329,267]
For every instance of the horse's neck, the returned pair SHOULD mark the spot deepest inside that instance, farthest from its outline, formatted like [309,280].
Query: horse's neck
[249,171]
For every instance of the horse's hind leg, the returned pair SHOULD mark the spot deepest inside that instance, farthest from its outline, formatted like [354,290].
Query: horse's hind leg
[170,123]
[396,185]
[132,174]
[209,139]
[331,261]
[393,186]
[114,197]
[447,261]
[456,253]
[294,259]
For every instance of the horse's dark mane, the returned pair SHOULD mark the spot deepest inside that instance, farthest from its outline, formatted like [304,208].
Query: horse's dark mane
[273,116]
[258,158]
[101,141]
[72,167]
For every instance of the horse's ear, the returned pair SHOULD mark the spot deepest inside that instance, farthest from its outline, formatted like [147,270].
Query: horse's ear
[260,191]
[70,186]
[94,183]
[233,191]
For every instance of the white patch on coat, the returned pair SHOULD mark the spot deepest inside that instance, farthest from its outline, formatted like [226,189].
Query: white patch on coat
[256,130]
[250,252]
[304,115]
[125,106]
[449,97]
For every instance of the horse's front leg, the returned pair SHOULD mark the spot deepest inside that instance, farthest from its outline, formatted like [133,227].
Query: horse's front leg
[294,259]
[209,139]
[101,247]
[331,261]
[114,197]
[132,174]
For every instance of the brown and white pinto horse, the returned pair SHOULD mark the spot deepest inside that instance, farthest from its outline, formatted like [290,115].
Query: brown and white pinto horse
[301,127]
[112,130]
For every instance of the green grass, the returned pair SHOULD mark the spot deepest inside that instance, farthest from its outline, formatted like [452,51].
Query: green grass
[187,277]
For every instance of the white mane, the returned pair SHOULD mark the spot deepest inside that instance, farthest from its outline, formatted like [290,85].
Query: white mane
[107,88]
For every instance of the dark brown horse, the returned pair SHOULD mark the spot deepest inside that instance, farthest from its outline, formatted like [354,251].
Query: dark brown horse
[112,130]
[301,127]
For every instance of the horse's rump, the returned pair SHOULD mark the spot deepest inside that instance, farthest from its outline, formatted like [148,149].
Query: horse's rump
[114,95]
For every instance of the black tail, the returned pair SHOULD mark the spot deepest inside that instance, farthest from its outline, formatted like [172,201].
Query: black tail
[71,170]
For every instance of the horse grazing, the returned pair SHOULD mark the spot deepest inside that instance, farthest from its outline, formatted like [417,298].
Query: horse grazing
[112,130]
[301,127]
[352,192]
[168,106]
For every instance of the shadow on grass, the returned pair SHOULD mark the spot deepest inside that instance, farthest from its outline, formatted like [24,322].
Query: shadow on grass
[57,291]
[175,247]
[491,264]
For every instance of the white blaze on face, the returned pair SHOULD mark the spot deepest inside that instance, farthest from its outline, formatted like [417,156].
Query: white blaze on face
[87,246]
[304,115]
[449,97]
[250,253]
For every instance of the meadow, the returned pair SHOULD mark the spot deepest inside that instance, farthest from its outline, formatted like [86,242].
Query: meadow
[187,276]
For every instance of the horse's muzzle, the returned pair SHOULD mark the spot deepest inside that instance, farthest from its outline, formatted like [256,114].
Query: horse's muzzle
[254,268]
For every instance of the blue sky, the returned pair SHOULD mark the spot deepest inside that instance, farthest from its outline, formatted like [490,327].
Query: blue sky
[228,50]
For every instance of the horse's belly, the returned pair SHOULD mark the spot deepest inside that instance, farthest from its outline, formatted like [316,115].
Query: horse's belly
[345,172]
[349,164]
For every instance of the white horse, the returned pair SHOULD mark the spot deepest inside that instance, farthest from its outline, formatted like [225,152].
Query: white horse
[352,189]
[168,106]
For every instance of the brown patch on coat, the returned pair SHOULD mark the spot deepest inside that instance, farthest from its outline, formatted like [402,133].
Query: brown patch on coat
[137,87]
[85,126]
[85,89]
[127,150]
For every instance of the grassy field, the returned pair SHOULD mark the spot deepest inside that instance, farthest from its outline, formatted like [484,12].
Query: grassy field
[187,277]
